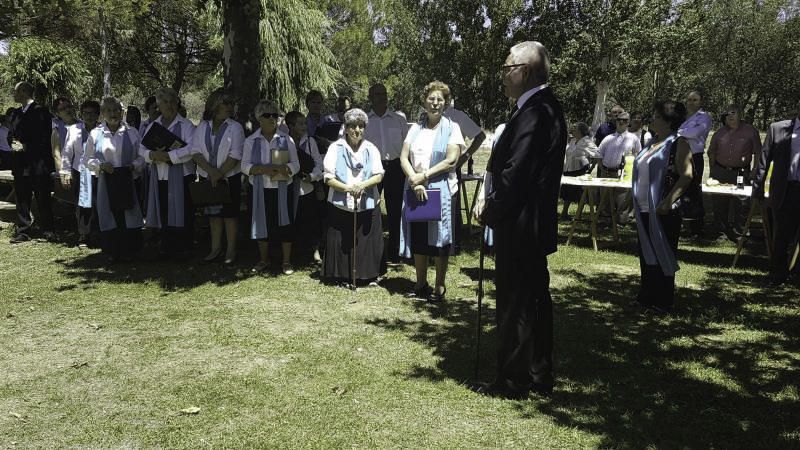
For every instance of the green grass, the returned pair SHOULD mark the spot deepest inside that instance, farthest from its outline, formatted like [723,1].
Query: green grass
[97,356]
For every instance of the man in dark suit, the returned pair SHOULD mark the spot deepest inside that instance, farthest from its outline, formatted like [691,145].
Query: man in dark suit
[34,165]
[526,168]
[782,149]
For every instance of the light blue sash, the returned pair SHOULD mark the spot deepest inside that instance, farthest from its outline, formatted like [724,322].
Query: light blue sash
[655,246]
[175,202]
[213,154]
[105,215]
[258,222]
[85,186]
[439,233]
[345,163]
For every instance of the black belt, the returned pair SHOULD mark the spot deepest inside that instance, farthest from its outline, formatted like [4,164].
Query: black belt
[730,168]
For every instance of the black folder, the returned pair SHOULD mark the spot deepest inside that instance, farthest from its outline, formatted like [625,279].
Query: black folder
[159,137]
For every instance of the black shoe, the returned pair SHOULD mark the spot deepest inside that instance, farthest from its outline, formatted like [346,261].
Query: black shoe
[434,297]
[498,391]
[20,237]
[422,293]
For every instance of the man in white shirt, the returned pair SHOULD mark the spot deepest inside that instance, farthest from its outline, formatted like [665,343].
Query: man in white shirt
[695,130]
[637,129]
[387,130]
[615,147]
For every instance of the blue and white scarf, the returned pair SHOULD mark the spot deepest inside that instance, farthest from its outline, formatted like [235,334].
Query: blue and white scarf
[105,214]
[258,222]
[175,200]
[345,163]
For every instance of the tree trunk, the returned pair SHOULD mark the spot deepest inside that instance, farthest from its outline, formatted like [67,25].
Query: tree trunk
[241,54]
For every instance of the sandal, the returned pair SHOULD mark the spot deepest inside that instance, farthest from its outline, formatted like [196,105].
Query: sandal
[422,293]
[435,297]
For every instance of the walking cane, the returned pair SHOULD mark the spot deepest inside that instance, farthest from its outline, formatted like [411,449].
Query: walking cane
[480,304]
[353,254]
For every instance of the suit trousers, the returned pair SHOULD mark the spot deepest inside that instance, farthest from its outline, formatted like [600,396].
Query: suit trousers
[787,230]
[392,188]
[26,186]
[725,206]
[524,316]
[696,225]
[657,289]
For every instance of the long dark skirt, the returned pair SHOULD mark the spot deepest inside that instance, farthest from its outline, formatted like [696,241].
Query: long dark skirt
[657,289]
[337,263]
[231,209]
[419,235]
[573,194]
[176,239]
[307,222]
[275,232]
[121,242]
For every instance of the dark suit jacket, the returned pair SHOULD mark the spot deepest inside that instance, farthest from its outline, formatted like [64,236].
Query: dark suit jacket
[526,168]
[33,130]
[778,150]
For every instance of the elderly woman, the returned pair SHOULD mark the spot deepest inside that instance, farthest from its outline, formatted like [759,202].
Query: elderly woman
[111,153]
[428,158]
[580,150]
[217,149]
[352,170]
[169,205]
[270,159]
[662,174]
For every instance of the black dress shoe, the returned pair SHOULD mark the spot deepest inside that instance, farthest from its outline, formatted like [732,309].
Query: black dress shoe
[20,237]
[495,390]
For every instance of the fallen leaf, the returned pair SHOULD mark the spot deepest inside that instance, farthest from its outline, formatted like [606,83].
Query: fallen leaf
[10,315]
[80,364]
[190,410]
[30,308]
[17,416]
[96,326]
[338,390]
[360,349]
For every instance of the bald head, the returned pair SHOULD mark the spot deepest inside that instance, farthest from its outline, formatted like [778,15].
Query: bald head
[23,91]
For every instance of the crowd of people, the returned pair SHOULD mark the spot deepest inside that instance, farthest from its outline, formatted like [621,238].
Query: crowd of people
[317,182]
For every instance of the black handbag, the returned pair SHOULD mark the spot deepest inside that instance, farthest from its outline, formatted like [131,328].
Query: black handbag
[204,194]
[119,185]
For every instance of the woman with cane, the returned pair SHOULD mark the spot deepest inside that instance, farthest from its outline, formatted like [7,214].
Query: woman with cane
[353,169]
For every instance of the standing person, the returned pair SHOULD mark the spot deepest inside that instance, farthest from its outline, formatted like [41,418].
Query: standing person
[526,169]
[782,150]
[33,166]
[615,147]
[387,130]
[695,130]
[169,205]
[270,159]
[307,218]
[733,147]
[5,140]
[429,156]
[72,166]
[217,151]
[151,108]
[636,127]
[353,170]
[65,118]
[133,117]
[609,126]
[662,174]
[112,154]
[580,152]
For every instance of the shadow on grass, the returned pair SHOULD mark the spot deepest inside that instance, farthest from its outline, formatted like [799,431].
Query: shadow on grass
[720,372]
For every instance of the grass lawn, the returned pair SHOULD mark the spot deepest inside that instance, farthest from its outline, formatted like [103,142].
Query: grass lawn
[108,356]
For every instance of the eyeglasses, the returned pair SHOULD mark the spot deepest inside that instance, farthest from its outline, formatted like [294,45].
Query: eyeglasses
[507,68]
[270,115]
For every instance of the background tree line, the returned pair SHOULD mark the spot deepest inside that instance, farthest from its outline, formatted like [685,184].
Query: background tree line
[745,52]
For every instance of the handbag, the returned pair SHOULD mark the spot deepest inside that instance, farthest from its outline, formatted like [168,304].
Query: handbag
[119,185]
[428,211]
[204,194]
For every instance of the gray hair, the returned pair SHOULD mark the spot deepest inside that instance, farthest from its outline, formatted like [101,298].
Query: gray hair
[582,128]
[355,115]
[534,54]
[263,106]
[110,103]
[167,94]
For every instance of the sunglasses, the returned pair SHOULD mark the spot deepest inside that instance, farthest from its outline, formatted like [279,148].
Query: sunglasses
[270,116]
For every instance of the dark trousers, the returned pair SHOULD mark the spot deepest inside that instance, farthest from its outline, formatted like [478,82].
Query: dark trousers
[787,231]
[699,165]
[176,239]
[524,316]
[656,288]
[26,186]
[724,205]
[392,188]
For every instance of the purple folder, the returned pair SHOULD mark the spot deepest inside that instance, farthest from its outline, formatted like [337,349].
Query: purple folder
[428,211]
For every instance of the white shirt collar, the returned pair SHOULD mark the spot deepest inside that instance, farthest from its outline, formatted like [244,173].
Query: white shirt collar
[530,93]
[27,105]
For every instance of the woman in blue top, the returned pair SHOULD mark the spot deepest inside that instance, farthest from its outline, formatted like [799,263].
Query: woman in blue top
[662,173]
[428,158]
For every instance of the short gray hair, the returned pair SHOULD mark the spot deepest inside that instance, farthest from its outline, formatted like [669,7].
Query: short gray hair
[263,106]
[167,93]
[355,115]
[582,128]
[109,103]
[533,54]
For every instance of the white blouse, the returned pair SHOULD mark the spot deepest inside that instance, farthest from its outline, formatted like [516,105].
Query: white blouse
[111,147]
[421,149]
[316,174]
[266,150]
[230,145]
[354,175]
[72,153]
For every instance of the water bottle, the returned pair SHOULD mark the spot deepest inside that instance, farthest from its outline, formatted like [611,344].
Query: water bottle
[470,162]
[740,179]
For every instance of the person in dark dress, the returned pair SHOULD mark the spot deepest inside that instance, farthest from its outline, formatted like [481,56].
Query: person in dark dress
[33,167]
[526,169]
[353,170]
